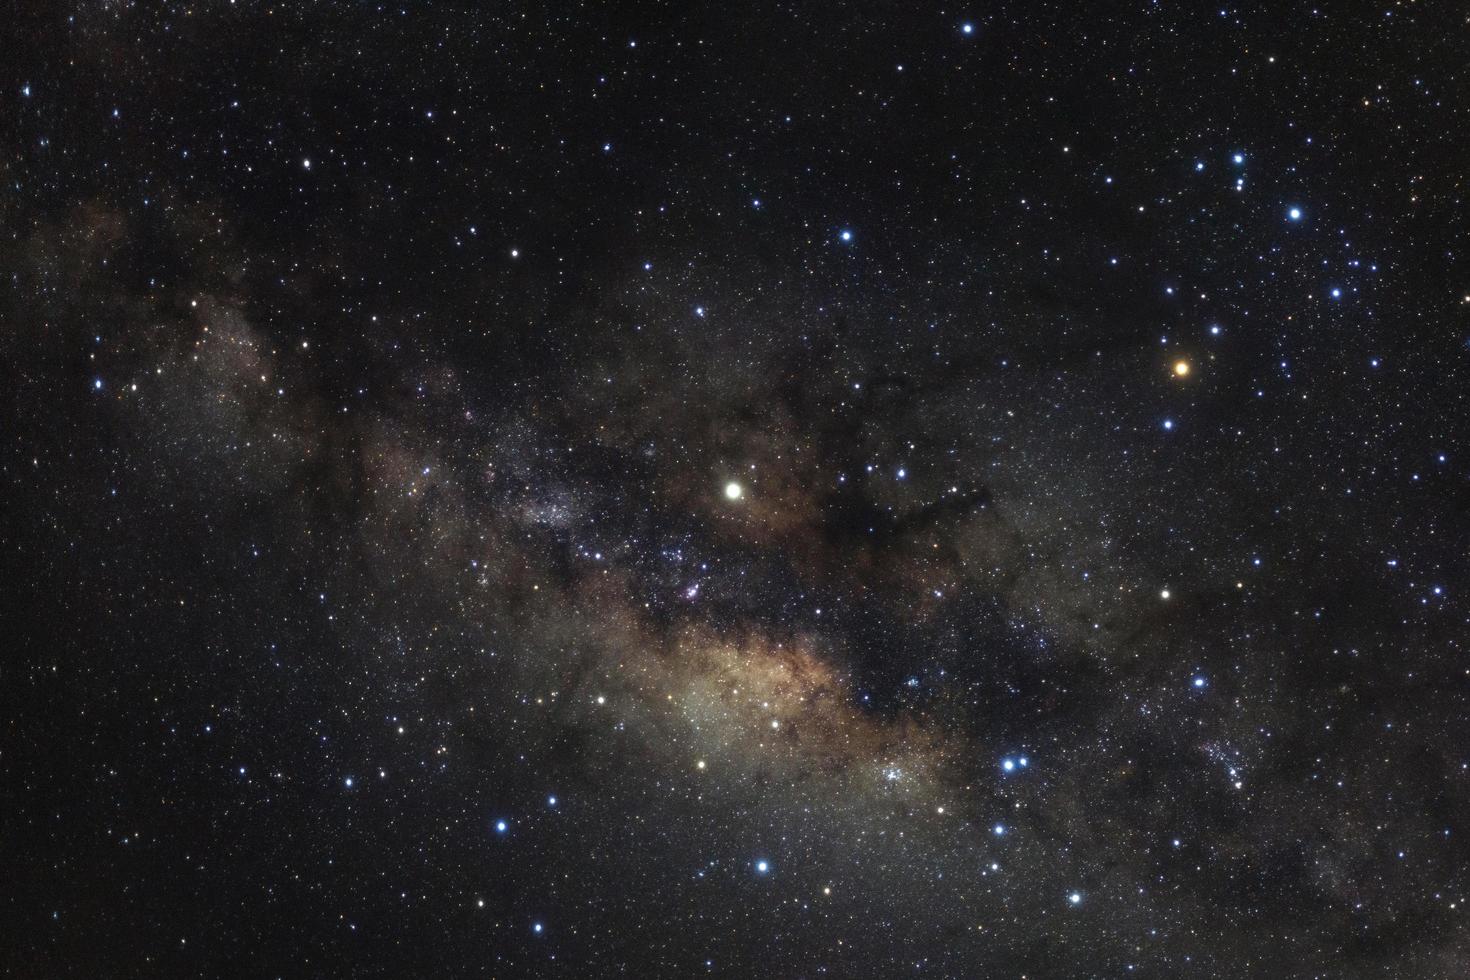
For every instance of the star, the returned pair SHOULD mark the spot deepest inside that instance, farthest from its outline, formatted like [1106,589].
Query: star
[734,491]
[1294,214]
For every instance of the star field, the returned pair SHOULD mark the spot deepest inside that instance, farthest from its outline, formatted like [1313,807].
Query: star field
[734,490]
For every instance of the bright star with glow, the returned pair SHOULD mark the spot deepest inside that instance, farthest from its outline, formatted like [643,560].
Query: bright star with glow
[734,491]
[846,235]
[762,867]
[965,28]
[1294,214]
[1181,368]
[501,826]
[1075,898]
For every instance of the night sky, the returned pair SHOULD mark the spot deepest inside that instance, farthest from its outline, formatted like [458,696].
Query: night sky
[738,490]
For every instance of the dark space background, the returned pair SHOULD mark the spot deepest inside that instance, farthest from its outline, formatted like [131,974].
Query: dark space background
[736,489]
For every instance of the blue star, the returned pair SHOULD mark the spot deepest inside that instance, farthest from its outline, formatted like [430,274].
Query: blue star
[501,826]
[1168,425]
[965,28]
[1294,214]
[1239,158]
[762,867]
[846,235]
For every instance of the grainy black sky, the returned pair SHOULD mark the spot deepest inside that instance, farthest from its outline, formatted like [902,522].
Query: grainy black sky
[784,490]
